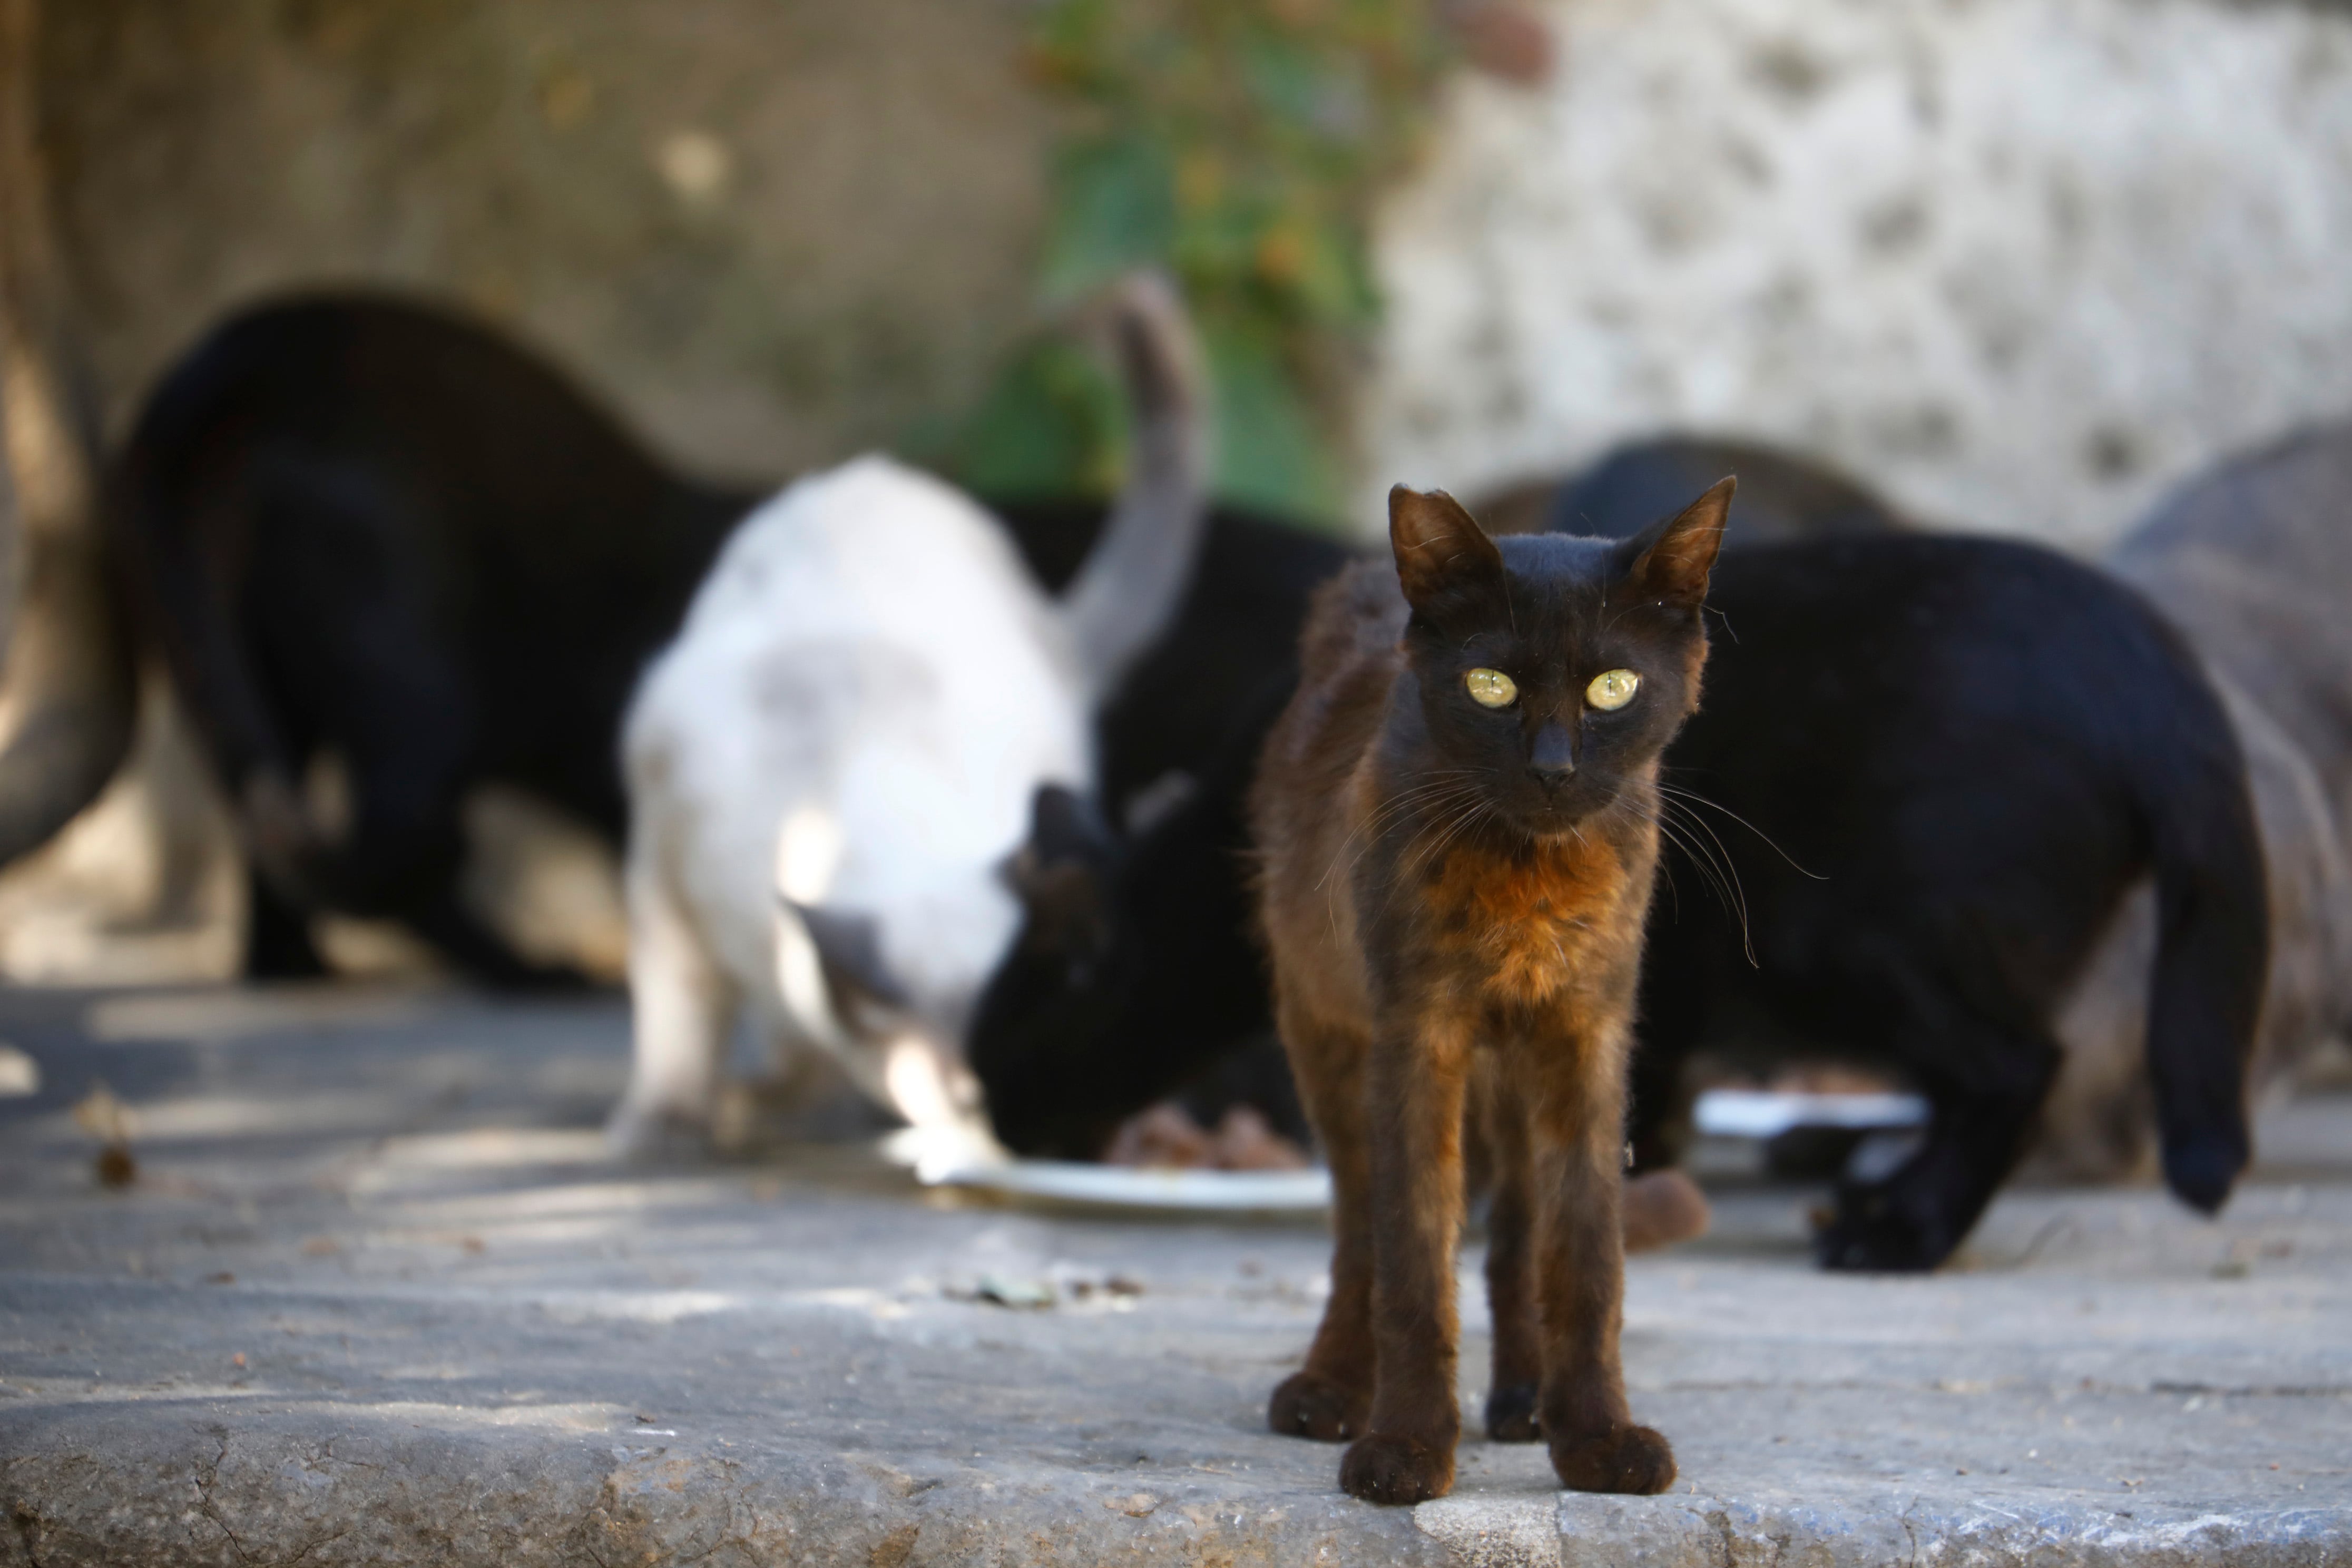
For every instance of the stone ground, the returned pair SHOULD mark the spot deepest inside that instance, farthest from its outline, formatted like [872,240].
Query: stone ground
[373,1297]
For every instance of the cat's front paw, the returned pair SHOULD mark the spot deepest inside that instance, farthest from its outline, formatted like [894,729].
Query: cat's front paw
[1391,1470]
[1633,1460]
[655,1135]
[1511,1413]
[1873,1231]
[1310,1406]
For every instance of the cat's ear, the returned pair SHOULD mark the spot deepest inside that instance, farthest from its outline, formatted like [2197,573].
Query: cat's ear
[1060,876]
[1439,547]
[1670,559]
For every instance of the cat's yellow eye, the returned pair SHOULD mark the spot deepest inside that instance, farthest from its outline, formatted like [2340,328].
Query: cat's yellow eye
[1612,689]
[1491,688]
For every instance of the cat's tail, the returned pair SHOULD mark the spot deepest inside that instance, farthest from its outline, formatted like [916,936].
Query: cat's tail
[1134,579]
[179,516]
[2212,954]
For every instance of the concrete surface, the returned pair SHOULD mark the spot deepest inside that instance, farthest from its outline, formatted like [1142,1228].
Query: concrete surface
[374,1298]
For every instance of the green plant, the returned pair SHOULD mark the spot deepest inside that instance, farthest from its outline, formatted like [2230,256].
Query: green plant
[1240,145]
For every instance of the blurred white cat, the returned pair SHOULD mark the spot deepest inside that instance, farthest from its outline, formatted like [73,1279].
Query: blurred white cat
[828,767]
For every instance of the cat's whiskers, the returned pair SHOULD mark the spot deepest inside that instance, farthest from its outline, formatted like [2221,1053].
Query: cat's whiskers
[1469,806]
[1665,864]
[1449,784]
[1712,859]
[1370,825]
[1670,797]
[1450,787]
[1719,853]
[1367,832]
[1698,799]
[1459,823]
[1442,818]
[1701,856]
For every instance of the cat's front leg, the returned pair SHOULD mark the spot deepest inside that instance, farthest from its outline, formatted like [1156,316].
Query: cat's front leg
[682,1006]
[1415,1088]
[1330,1398]
[1577,1169]
[1517,1365]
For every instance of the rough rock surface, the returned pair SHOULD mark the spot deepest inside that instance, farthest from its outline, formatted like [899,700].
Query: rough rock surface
[773,234]
[2023,263]
[373,1297]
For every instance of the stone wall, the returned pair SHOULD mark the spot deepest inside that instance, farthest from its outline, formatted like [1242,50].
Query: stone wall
[2022,263]
[771,232]
[774,232]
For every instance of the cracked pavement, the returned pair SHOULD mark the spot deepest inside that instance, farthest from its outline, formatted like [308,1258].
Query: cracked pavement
[376,1298]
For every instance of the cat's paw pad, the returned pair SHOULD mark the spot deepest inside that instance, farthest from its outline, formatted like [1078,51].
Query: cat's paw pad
[1633,1460]
[1511,1413]
[1389,1470]
[1310,1406]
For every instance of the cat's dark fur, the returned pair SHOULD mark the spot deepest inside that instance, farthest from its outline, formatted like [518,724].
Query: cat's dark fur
[1454,895]
[2006,661]
[1228,660]
[363,525]
[1782,497]
[1142,938]
[1963,752]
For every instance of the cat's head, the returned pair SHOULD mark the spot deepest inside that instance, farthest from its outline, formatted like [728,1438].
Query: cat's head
[1062,985]
[1552,670]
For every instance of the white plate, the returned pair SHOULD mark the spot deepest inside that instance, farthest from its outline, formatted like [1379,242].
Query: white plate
[1767,1113]
[1127,1187]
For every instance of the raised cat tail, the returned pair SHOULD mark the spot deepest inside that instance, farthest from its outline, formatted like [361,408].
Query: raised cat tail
[2212,950]
[1134,579]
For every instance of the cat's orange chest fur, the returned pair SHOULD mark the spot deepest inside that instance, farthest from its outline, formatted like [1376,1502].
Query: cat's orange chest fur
[1528,923]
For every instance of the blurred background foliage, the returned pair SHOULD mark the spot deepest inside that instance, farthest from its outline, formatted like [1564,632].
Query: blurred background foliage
[1241,145]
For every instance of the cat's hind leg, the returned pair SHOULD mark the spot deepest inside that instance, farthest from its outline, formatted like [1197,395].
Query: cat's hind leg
[355,650]
[1985,1082]
[278,944]
[682,1008]
[1329,1398]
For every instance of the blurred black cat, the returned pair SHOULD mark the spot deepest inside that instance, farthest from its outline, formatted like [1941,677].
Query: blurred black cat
[1781,498]
[1962,752]
[368,526]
